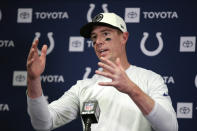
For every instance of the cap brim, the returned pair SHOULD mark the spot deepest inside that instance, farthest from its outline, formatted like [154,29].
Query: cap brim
[86,30]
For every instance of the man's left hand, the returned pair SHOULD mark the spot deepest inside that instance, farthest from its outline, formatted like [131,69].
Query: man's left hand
[116,72]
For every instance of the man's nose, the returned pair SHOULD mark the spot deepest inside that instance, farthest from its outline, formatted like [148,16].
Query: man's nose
[99,41]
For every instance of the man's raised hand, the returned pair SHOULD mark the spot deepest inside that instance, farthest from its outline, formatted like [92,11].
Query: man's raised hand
[116,73]
[35,63]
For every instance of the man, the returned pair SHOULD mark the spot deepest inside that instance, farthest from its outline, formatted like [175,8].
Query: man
[130,98]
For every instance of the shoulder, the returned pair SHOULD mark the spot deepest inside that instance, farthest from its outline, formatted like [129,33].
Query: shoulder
[143,73]
[146,79]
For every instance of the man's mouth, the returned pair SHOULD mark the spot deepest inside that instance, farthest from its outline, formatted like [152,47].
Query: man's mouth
[102,52]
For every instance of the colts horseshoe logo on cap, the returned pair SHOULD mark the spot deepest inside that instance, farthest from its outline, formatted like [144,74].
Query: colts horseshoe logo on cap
[97,18]
[91,9]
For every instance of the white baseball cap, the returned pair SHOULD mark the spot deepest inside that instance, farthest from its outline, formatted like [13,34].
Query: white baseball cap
[105,19]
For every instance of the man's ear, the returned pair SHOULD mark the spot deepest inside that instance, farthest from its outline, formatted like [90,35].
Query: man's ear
[125,37]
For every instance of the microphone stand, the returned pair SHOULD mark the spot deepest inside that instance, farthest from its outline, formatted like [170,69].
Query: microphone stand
[88,124]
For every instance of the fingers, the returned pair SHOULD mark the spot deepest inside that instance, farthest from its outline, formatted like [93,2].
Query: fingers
[106,67]
[35,44]
[106,74]
[118,63]
[109,65]
[106,83]
[43,52]
[29,63]
[30,58]
[31,53]
[108,62]
[33,49]
[111,70]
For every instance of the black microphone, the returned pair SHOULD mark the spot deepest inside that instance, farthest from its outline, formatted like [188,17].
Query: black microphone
[90,113]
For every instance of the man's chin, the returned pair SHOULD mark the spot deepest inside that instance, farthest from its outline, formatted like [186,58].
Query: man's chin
[107,57]
[104,56]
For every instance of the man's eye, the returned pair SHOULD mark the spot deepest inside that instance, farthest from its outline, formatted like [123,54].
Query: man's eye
[106,33]
[93,38]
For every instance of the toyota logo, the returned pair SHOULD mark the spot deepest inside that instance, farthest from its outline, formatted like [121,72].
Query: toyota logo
[20,78]
[24,15]
[187,43]
[184,110]
[132,15]
[76,43]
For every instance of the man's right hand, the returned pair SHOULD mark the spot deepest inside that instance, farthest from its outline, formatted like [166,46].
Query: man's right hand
[35,67]
[36,63]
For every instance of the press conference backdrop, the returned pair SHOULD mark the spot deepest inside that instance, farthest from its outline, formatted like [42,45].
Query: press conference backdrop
[162,38]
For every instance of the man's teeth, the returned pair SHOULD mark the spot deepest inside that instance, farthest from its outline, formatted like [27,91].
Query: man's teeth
[102,50]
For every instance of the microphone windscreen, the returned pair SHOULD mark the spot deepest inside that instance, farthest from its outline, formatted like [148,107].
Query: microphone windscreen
[90,109]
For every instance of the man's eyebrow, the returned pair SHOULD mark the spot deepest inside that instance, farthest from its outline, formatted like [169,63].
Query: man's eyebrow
[105,30]
[101,31]
[92,34]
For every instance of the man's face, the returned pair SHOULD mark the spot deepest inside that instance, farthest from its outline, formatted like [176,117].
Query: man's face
[107,42]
